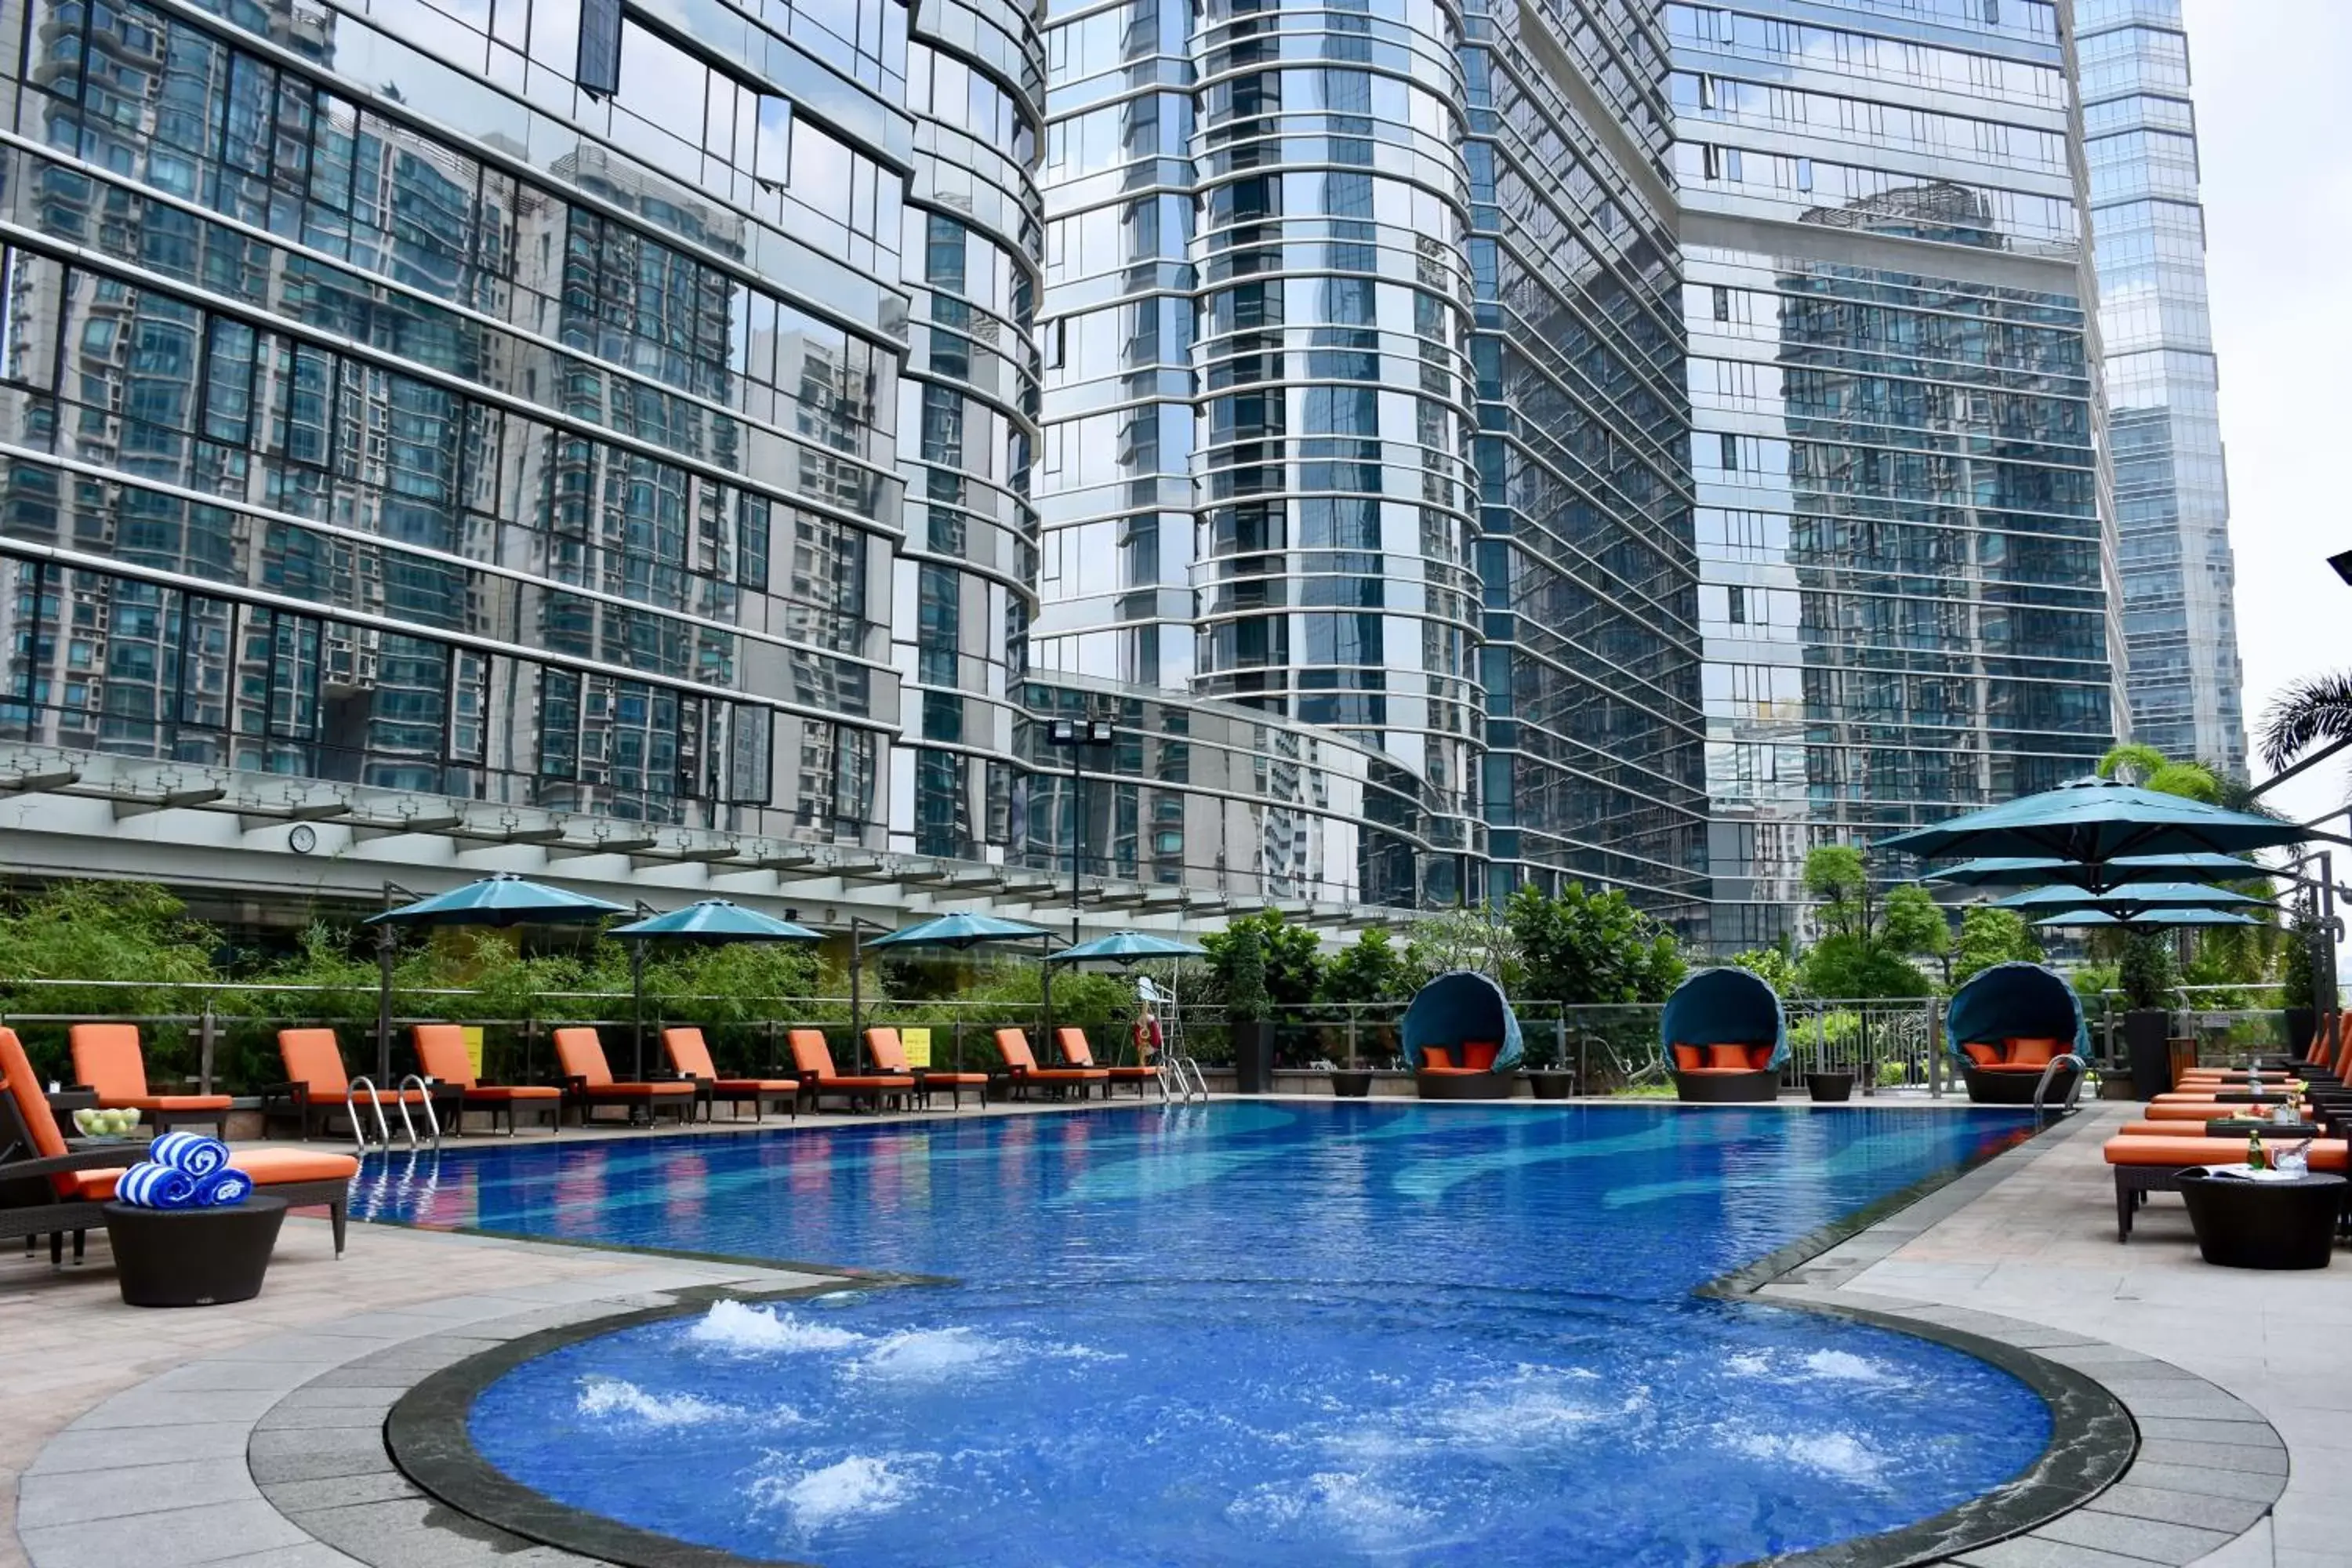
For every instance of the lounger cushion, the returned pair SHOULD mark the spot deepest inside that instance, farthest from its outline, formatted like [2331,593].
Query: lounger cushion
[1479,1056]
[107,1059]
[167,1102]
[889,1080]
[1439,1058]
[2208,1111]
[441,1053]
[267,1167]
[755,1086]
[636,1091]
[2326,1154]
[967,1080]
[499,1093]
[1984,1056]
[2032,1053]
[1731,1058]
[1689,1058]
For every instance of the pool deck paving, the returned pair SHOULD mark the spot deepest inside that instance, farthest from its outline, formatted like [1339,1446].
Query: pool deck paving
[253,1434]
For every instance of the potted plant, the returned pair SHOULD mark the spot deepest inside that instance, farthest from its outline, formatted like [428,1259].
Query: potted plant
[1367,972]
[2296,990]
[2145,977]
[1249,1011]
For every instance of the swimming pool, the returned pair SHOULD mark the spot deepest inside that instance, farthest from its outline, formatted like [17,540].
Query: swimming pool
[1250,1333]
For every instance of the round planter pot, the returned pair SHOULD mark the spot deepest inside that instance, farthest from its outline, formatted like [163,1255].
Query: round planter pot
[1551,1083]
[1830,1088]
[1351,1083]
[192,1258]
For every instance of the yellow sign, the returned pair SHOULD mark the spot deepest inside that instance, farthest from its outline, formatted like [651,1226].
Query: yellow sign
[918,1046]
[474,1049]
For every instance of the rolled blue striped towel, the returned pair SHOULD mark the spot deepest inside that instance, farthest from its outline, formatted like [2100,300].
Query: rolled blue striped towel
[190,1151]
[154,1186]
[224,1188]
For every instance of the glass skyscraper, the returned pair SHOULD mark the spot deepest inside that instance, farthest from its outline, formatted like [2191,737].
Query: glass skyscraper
[1904,544]
[2172,498]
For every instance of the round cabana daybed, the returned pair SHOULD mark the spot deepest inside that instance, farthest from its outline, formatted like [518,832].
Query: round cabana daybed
[2005,1028]
[1726,1037]
[1462,1038]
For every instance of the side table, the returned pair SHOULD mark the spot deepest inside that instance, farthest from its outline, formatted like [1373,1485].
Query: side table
[64,1102]
[2238,1127]
[194,1258]
[2244,1224]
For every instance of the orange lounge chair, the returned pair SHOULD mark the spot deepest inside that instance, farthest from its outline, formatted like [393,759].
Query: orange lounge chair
[441,1055]
[2144,1164]
[1079,1053]
[108,1062]
[588,1081]
[690,1055]
[317,1087]
[888,1053]
[1021,1066]
[47,1188]
[813,1058]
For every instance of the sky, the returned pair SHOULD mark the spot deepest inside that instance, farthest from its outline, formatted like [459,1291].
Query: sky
[2268,80]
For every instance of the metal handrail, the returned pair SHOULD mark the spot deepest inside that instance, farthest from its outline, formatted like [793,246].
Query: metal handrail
[2074,1090]
[424,1097]
[382,1127]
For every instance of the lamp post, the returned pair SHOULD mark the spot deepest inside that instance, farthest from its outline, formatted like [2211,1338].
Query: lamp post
[1076,736]
[387,941]
[858,924]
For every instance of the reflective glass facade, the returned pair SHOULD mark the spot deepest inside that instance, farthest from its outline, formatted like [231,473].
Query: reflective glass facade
[2172,499]
[1901,511]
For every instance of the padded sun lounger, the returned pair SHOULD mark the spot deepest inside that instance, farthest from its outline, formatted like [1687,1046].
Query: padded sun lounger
[588,1081]
[318,1088]
[108,1062]
[441,1055]
[2144,1164]
[1079,1053]
[813,1058]
[888,1054]
[1021,1066]
[50,1188]
[690,1055]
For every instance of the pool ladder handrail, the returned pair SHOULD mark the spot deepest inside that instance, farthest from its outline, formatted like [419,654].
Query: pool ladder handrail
[2074,1090]
[1185,1070]
[383,1126]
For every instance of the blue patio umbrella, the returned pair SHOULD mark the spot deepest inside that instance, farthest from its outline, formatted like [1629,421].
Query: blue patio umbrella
[958,931]
[2146,919]
[708,922]
[2092,821]
[2099,876]
[502,899]
[2134,896]
[1126,947]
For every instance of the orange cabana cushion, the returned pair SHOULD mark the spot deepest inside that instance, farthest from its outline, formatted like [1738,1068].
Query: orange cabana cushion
[1730,1058]
[1438,1056]
[1479,1056]
[1760,1056]
[2326,1154]
[1984,1056]
[1689,1058]
[2032,1053]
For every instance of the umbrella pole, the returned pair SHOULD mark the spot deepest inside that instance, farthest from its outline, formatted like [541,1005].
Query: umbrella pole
[1045,988]
[637,1003]
[384,938]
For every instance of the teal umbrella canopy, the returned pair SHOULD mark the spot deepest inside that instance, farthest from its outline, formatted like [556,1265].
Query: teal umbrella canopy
[2100,876]
[959,931]
[1127,947]
[2138,896]
[2147,919]
[2092,821]
[715,920]
[505,899]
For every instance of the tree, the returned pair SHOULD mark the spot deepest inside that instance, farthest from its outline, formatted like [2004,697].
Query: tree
[1369,969]
[1464,938]
[1239,962]
[1288,958]
[2144,971]
[1581,948]
[1866,947]
[2151,769]
[1990,936]
[1777,966]
[2296,988]
[2309,713]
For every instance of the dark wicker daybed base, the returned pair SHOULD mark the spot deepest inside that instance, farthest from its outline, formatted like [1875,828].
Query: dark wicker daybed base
[2014,1088]
[1459,1085]
[1727,1088]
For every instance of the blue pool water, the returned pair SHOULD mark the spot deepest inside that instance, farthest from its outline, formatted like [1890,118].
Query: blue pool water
[1248,1333]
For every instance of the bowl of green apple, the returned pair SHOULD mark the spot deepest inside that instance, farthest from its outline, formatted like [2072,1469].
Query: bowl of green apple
[106,1126]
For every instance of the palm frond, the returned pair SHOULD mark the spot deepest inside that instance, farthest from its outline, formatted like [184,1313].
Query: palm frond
[2306,714]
